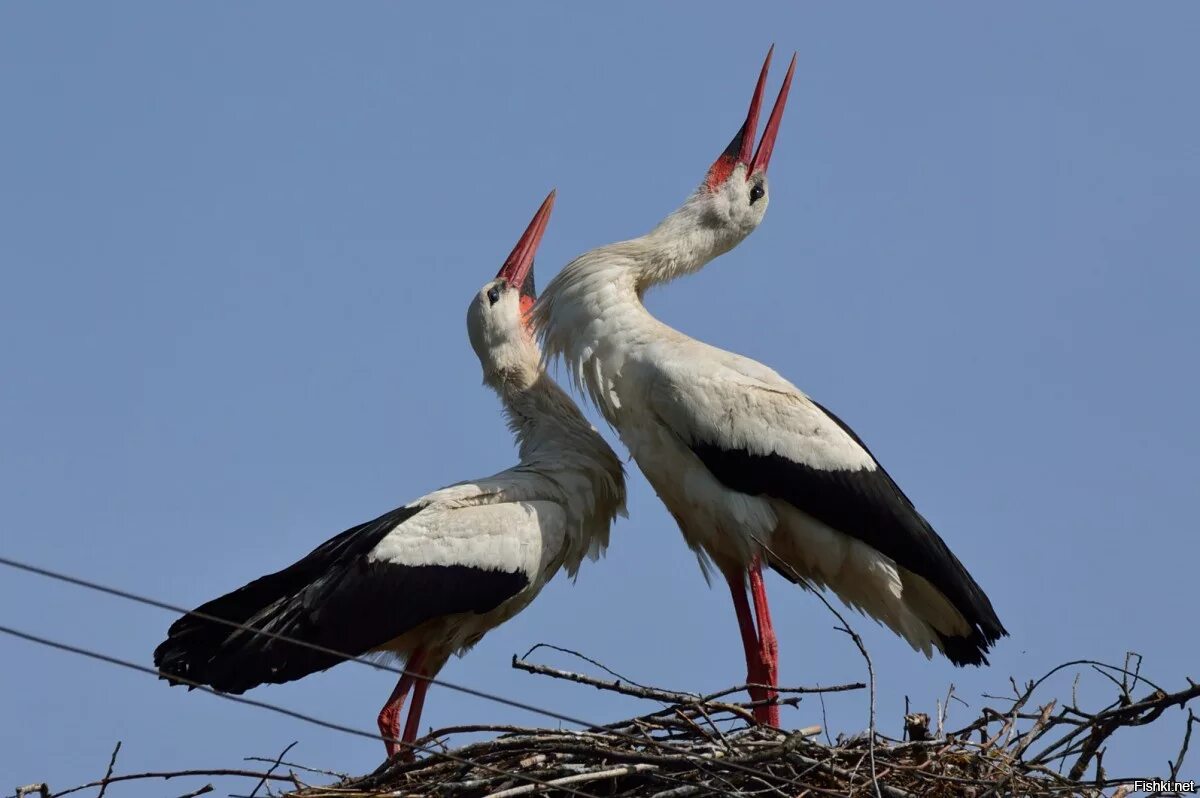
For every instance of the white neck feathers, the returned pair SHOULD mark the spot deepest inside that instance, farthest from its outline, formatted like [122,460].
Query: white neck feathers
[591,314]
[559,448]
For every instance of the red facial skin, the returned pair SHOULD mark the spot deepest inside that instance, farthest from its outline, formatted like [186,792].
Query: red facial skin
[740,148]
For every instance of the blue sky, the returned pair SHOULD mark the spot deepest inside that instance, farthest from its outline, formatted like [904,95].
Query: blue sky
[237,245]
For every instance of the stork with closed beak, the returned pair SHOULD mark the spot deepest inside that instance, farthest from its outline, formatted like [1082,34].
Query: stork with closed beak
[751,468]
[432,577]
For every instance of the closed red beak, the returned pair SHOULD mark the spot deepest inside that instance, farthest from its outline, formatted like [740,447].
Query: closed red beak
[518,268]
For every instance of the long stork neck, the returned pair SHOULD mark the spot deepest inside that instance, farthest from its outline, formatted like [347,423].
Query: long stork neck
[607,284]
[591,314]
[593,308]
[559,447]
[550,431]
[680,244]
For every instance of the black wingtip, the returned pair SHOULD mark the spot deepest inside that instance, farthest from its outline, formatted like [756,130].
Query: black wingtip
[972,649]
[176,663]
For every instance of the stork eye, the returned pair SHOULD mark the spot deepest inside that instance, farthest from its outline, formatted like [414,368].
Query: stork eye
[756,193]
[493,294]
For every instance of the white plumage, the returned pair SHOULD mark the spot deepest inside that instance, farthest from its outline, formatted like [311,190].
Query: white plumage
[750,467]
[431,578]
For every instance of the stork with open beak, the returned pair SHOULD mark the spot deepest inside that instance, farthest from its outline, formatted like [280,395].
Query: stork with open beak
[432,577]
[751,468]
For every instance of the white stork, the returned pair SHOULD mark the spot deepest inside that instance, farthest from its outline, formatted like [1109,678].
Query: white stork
[432,577]
[747,464]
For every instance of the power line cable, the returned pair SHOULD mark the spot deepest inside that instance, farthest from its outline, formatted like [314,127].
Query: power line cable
[151,602]
[162,605]
[700,759]
[291,713]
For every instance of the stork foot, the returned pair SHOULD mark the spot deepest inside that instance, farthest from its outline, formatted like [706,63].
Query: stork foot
[389,726]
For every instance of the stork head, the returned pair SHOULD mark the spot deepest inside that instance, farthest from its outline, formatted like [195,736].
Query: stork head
[733,198]
[497,320]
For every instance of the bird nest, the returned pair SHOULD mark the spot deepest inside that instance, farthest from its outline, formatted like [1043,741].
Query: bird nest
[708,745]
[1028,744]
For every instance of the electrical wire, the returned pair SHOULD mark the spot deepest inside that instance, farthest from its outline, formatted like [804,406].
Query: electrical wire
[382,666]
[291,713]
[151,602]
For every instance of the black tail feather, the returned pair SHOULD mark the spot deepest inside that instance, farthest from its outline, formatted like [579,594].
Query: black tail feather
[970,649]
[233,660]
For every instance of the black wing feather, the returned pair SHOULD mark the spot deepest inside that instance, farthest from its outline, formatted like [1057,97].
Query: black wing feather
[869,506]
[336,598]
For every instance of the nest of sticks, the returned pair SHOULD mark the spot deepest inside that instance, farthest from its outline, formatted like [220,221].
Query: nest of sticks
[1027,744]
[693,745]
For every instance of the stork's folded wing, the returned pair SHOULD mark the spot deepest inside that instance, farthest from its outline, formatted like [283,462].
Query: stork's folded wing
[766,440]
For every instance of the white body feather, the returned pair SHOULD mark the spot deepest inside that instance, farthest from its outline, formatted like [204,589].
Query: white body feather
[661,390]
[547,513]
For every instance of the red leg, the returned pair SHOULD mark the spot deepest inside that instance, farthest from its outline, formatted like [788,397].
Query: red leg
[413,724]
[768,643]
[750,642]
[389,716]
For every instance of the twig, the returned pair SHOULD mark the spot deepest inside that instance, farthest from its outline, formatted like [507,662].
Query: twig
[1134,714]
[943,709]
[580,779]
[112,763]
[818,690]
[201,791]
[1192,720]
[173,774]
[271,770]
[1027,739]
[671,697]
[305,768]
[825,721]
[637,691]
[42,789]
[585,658]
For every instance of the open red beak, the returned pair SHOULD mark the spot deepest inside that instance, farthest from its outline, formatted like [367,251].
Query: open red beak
[518,268]
[742,145]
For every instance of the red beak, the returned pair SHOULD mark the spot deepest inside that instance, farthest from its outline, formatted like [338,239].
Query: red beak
[763,156]
[742,145]
[738,151]
[518,268]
